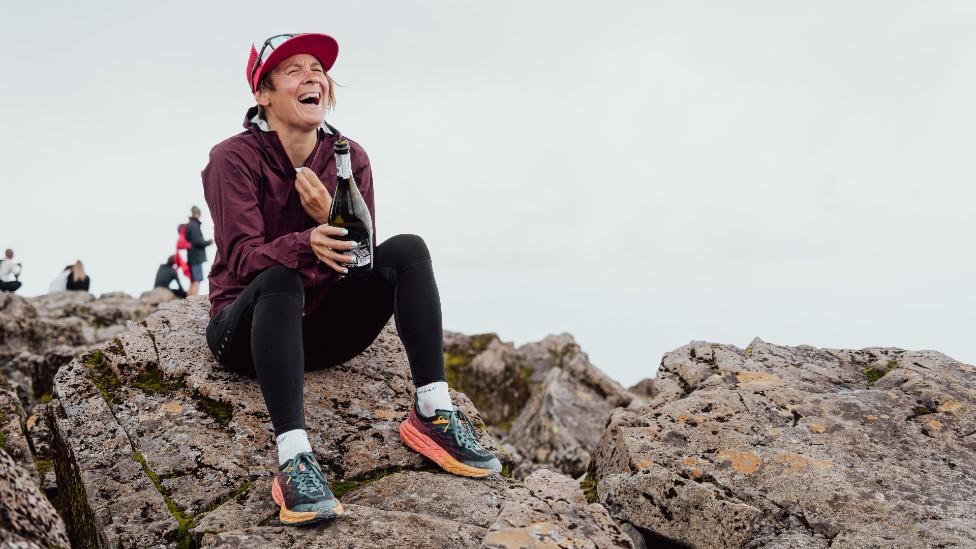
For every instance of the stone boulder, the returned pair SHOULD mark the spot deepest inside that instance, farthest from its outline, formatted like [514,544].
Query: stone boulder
[156,445]
[13,441]
[551,511]
[545,399]
[773,446]
[40,334]
[27,519]
[491,373]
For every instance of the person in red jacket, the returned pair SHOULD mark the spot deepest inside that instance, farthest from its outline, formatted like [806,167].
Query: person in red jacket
[279,305]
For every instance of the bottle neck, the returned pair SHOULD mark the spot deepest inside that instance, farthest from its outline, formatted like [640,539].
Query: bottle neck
[343,166]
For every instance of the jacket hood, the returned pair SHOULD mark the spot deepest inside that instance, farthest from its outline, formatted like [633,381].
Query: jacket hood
[253,118]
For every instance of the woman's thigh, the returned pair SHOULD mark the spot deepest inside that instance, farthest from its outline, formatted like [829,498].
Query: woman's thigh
[353,313]
[229,332]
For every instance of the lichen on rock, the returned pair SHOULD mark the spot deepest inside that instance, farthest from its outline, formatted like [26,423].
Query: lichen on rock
[774,446]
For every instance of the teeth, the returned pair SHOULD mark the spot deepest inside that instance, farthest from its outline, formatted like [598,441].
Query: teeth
[308,95]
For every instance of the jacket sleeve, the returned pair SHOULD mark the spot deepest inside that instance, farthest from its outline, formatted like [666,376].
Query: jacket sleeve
[195,236]
[231,191]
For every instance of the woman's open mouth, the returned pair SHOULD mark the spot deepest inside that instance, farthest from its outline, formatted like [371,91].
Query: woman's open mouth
[310,98]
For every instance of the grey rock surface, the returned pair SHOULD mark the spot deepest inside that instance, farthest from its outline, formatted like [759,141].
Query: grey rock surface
[12,438]
[774,446]
[560,424]
[491,373]
[546,400]
[156,444]
[550,511]
[40,334]
[27,518]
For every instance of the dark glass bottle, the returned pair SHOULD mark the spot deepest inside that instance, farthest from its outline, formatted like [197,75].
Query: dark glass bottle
[349,211]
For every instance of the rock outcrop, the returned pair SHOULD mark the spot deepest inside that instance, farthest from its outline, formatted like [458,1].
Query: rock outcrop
[40,334]
[774,446]
[551,511]
[156,445]
[37,336]
[27,518]
[545,399]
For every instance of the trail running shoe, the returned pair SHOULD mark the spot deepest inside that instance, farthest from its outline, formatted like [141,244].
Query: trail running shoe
[448,439]
[300,489]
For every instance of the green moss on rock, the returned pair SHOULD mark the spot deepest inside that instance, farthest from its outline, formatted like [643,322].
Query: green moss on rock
[588,485]
[874,373]
[115,347]
[103,377]
[506,470]
[219,410]
[153,381]
[43,466]
[182,536]
[921,410]
[342,487]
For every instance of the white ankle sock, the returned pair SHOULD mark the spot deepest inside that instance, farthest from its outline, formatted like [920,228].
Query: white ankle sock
[432,397]
[291,443]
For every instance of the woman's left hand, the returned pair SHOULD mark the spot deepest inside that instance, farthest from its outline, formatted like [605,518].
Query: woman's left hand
[315,197]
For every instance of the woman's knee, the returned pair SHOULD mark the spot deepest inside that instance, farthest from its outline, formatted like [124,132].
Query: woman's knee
[279,280]
[405,249]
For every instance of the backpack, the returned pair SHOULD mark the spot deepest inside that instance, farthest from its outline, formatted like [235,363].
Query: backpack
[182,244]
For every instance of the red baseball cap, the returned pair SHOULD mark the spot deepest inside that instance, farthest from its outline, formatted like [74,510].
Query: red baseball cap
[276,49]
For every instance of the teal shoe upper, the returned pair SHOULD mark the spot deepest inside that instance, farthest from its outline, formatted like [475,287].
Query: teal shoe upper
[304,485]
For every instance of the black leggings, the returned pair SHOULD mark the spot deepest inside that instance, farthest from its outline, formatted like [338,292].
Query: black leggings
[11,286]
[262,333]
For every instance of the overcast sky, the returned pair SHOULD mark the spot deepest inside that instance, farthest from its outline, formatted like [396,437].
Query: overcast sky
[640,174]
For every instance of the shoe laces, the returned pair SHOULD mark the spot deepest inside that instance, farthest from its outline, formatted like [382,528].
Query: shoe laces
[310,481]
[464,431]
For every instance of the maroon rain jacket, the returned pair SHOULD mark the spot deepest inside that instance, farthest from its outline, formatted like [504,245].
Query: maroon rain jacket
[258,217]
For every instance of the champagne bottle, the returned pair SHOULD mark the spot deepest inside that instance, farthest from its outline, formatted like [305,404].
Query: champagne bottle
[349,211]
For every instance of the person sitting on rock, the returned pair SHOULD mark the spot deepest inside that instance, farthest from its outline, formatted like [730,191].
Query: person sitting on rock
[72,277]
[166,275]
[280,304]
[9,272]
[77,279]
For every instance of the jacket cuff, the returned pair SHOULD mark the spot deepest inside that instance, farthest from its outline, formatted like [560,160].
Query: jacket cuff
[303,248]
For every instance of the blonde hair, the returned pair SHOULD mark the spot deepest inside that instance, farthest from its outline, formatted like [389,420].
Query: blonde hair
[78,271]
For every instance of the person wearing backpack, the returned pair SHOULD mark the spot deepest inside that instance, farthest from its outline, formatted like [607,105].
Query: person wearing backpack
[196,255]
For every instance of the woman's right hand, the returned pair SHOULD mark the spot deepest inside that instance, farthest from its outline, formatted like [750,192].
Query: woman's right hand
[324,244]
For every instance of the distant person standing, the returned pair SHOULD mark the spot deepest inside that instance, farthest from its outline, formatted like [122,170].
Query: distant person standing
[9,272]
[166,274]
[196,256]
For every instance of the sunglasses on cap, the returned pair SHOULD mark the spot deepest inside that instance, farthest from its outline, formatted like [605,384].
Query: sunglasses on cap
[267,48]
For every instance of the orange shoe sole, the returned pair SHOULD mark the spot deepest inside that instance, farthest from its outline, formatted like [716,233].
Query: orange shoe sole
[425,446]
[295,518]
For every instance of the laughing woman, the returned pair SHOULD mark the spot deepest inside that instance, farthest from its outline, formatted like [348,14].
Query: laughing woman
[276,281]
